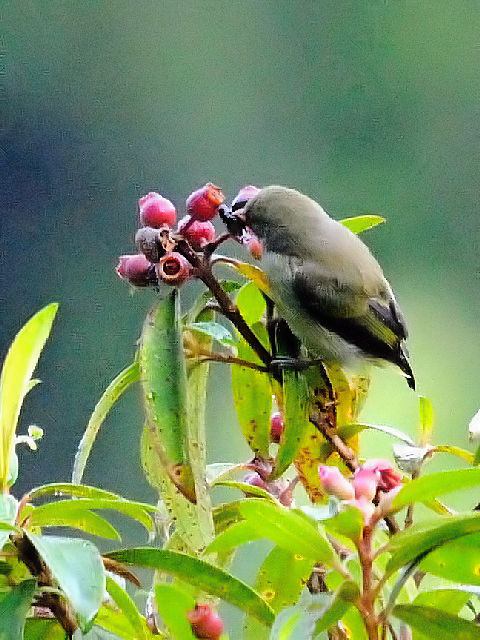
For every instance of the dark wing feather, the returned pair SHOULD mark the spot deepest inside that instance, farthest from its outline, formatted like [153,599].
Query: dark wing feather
[374,325]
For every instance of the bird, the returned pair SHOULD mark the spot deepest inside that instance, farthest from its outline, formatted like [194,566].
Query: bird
[324,281]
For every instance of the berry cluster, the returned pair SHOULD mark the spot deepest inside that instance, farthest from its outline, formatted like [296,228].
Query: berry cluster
[376,480]
[158,260]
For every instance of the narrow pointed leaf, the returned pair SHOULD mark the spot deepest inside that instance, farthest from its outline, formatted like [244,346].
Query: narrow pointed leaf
[458,560]
[280,581]
[293,624]
[77,567]
[164,382]
[390,431]
[115,622]
[213,330]
[362,223]
[455,451]
[137,511]
[8,512]
[19,365]
[439,623]
[426,420]
[201,574]
[416,542]
[14,608]
[68,489]
[173,604]
[84,520]
[342,600]
[128,608]
[251,303]
[246,488]
[288,529]
[436,484]
[252,396]
[235,535]
[295,415]
[112,393]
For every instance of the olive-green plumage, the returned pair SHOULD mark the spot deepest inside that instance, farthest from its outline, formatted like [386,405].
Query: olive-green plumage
[325,282]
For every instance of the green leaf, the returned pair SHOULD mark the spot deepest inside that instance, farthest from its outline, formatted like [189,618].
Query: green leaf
[426,420]
[78,568]
[280,581]
[84,520]
[14,608]
[252,395]
[202,575]
[213,330]
[245,488]
[348,522]
[439,623]
[128,608]
[436,484]
[288,529]
[164,382]
[218,471]
[235,535]
[20,362]
[60,508]
[173,604]
[454,451]
[112,393]
[251,303]
[115,622]
[362,223]
[77,490]
[341,601]
[419,540]
[295,415]
[458,560]
[37,629]
[450,599]
[197,381]
[8,513]
[292,624]
[350,430]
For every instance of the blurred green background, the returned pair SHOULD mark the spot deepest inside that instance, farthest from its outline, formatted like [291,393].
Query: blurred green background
[367,106]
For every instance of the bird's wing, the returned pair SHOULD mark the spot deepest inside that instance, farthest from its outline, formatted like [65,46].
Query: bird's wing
[373,323]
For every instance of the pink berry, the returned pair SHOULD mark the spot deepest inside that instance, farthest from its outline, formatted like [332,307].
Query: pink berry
[203,204]
[173,269]
[136,269]
[206,624]
[243,196]
[156,211]
[197,233]
[276,427]
[335,483]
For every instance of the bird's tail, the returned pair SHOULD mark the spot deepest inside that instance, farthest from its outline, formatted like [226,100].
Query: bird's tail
[404,365]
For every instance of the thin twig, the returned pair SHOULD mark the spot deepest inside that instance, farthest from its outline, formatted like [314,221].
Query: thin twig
[218,357]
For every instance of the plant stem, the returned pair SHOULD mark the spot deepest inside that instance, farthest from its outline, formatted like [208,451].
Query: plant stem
[367,599]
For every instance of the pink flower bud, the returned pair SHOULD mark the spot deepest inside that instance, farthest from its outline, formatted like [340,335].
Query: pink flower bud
[197,233]
[243,196]
[254,480]
[365,483]
[203,204]
[386,499]
[205,622]
[365,506]
[389,478]
[156,211]
[276,427]
[335,483]
[173,269]
[136,270]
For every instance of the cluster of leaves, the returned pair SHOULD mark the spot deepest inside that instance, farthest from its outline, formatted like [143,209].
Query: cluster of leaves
[329,572]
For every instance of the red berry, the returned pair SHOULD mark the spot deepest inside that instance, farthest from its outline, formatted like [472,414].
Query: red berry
[197,233]
[156,211]
[203,204]
[136,269]
[254,245]
[205,622]
[173,269]
[276,427]
[243,196]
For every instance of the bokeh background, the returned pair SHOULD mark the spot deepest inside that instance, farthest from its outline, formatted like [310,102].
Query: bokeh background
[369,106]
